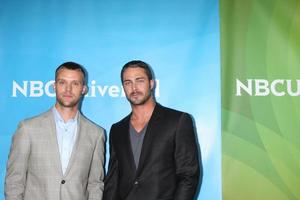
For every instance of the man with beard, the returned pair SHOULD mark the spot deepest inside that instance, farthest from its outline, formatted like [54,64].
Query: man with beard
[153,151]
[59,154]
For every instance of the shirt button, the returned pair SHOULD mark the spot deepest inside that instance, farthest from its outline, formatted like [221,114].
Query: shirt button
[63,182]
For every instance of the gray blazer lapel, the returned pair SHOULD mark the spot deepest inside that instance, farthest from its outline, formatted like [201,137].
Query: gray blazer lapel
[53,139]
[80,129]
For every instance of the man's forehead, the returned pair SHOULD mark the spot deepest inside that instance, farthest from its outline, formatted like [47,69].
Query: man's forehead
[135,72]
[75,75]
[134,76]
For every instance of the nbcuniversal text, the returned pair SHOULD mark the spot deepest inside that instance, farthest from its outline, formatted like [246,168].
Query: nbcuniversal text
[264,87]
[37,88]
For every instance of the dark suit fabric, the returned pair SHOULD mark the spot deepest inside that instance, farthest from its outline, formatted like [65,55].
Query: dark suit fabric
[169,164]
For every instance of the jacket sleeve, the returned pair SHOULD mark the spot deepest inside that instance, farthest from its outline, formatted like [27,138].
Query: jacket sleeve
[17,164]
[112,177]
[186,160]
[95,185]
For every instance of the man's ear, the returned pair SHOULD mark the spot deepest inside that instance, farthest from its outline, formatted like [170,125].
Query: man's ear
[84,90]
[54,87]
[152,84]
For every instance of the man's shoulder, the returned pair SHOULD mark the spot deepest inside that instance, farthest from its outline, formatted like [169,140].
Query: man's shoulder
[169,111]
[122,122]
[89,123]
[36,123]
[37,118]
[170,115]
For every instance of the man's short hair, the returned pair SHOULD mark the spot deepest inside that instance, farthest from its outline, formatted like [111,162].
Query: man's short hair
[72,66]
[138,63]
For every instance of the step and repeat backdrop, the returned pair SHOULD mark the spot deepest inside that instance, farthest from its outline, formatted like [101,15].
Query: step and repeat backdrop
[232,60]
[179,39]
[260,60]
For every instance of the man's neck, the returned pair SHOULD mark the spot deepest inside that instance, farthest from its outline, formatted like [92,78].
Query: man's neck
[143,112]
[66,113]
[141,115]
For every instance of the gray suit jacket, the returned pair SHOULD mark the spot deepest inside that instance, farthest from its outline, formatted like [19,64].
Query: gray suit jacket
[34,169]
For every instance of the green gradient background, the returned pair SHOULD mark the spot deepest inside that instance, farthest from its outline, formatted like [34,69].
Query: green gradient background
[260,39]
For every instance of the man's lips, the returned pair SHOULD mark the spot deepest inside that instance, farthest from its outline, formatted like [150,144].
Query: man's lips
[67,96]
[135,94]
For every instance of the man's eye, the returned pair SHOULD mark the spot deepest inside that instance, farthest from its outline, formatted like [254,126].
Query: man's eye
[127,83]
[76,83]
[140,80]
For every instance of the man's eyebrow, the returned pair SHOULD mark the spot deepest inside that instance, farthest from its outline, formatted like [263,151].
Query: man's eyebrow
[140,77]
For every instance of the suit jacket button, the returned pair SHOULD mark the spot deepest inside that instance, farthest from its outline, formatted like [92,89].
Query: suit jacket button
[63,182]
[136,182]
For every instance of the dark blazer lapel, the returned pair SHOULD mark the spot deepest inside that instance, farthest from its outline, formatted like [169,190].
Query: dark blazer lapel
[151,133]
[126,144]
[53,139]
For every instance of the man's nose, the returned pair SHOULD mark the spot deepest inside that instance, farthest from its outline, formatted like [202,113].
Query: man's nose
[69,87]
[134,86]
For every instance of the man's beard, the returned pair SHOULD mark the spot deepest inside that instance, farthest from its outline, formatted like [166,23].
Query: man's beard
[138,102]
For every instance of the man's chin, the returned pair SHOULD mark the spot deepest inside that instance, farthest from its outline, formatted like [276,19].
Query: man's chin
[137,102]
[68,104]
